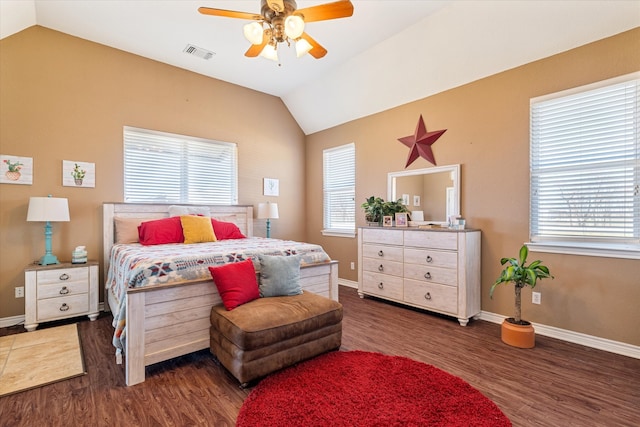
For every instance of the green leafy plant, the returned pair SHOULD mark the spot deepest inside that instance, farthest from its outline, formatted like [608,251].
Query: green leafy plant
[521,275]
[375,208]
[13,166]
[78,172]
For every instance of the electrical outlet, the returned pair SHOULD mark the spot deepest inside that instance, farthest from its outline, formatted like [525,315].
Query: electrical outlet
[353,265]
[535,297]
[20,292]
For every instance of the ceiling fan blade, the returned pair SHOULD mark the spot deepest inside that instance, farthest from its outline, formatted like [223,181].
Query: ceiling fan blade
[255,49]
[317,51]
[323,12]
[229,13]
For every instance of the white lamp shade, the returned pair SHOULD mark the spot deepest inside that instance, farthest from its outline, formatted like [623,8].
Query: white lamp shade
[268,210]
[302,47]
[254,32]
[269,52]
[293,26]
[43,209]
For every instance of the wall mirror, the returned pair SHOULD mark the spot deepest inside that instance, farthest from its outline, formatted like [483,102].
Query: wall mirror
[432,195]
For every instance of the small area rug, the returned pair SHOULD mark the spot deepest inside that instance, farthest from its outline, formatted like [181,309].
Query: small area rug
[44,356]
[357,388]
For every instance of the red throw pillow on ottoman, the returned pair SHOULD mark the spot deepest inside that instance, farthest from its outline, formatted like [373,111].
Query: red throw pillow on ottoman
[236,283]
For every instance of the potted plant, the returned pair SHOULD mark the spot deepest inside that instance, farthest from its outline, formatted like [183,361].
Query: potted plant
[13,170]
[515,331]
[375,208]
[78,174]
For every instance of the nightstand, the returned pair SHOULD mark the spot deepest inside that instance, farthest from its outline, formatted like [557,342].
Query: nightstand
[60,291]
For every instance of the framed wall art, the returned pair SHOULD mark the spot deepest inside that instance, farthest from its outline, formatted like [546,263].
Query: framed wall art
[271,187]
[16,170]
[78,174]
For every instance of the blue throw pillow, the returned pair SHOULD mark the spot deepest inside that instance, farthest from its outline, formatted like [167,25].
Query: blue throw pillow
[279,276]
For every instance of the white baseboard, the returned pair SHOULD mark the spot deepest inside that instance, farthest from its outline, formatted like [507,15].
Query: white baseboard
[574,337]
[6,322]
[348,283]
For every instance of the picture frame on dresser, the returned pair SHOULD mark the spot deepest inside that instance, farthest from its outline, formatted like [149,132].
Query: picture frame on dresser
[387,221]
[401,219]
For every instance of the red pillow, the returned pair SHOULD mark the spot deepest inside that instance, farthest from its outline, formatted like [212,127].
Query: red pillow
[236,283]
[226,230]
[161,231]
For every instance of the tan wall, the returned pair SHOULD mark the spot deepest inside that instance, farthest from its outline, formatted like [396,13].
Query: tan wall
[64,98]
[487,125]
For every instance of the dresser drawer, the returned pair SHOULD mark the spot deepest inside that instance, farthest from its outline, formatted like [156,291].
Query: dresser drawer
[431,296]
[63,275]
[393,268]
[55,290]
[432,239]
[381,252]
[389,237]
[63,306]
[430,257]
[423,273]
[382,285]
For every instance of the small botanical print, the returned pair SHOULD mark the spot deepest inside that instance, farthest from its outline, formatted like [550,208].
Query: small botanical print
[16,170]
[78,174]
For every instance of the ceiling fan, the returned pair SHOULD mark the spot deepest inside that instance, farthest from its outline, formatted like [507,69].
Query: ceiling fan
[280,21]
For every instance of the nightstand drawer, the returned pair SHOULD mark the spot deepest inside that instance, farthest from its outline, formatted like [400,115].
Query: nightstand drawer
[56,290]
[63,275]
[63,307]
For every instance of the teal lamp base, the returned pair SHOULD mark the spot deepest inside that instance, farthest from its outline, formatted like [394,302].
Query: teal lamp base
[268,228]
[48,258]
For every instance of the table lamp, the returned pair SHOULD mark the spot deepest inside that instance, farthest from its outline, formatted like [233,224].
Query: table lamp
[48,209]
[269,211]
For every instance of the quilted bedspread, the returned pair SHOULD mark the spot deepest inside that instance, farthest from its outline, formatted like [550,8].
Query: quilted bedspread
[135,265]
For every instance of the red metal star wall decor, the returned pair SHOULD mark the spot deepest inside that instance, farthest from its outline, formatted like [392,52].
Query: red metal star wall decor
[420,143]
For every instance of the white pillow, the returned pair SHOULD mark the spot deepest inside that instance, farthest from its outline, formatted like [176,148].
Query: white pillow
[188,210]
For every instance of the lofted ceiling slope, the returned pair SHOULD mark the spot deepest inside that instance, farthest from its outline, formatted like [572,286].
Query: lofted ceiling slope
[387,54]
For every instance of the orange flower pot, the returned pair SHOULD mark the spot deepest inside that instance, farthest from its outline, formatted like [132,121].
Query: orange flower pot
[521,336]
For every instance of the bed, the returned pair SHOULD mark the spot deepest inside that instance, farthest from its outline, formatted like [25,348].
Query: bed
[167,319]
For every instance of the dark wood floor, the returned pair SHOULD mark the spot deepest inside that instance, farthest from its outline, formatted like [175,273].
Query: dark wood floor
[554,384]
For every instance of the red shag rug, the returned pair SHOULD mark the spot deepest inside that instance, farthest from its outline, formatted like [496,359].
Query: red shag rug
[357,388]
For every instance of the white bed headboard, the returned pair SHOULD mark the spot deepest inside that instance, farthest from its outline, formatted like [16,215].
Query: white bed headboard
[241,215]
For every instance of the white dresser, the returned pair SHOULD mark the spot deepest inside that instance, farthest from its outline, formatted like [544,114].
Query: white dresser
[434,269]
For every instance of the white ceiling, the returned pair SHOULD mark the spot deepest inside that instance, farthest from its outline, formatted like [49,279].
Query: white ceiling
[387,54]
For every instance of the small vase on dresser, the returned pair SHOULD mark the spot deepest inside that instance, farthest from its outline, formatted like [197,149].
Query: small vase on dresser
[433,269]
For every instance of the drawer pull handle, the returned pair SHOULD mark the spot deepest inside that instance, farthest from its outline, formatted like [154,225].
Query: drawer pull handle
[427,296]
[380,253]
[64,276]
[429,259]
[380,285]
[381,268]
[64,307]
[64,290]
[427,275]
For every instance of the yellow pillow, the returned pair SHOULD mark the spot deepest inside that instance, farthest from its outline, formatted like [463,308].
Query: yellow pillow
[197,229]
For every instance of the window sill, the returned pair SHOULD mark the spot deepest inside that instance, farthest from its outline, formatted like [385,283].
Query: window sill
[602,250]
[339,233]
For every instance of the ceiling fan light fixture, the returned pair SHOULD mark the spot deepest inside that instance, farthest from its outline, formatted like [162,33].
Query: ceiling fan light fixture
[254,32]
[294,26]
[269,52]
[302,47]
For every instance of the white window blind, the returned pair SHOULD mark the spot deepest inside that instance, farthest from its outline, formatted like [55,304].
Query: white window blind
[585,165]
[339,169]
[167,168]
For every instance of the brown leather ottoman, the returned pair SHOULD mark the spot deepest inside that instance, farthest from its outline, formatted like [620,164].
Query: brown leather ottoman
[268,334]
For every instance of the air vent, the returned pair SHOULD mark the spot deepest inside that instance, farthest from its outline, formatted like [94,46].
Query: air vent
[198,51]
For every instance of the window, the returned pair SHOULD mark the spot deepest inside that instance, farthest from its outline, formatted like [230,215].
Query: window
[585,170]
[167,168]
[339,170]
